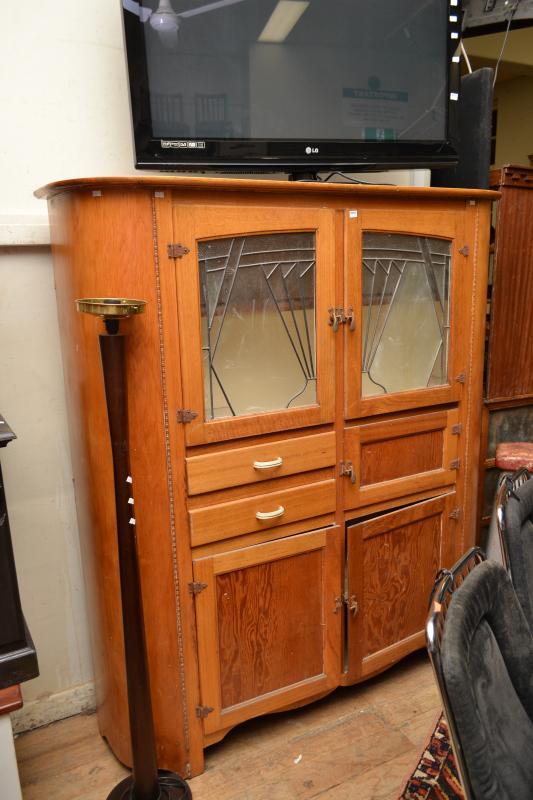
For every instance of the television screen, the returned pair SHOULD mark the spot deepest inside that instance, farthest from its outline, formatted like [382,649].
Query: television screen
[290,82]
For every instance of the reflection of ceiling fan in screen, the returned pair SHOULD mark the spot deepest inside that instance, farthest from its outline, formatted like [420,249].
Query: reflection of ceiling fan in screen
[487,16]
[166,21]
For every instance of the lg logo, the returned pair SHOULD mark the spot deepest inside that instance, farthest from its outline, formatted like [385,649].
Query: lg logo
[311,150]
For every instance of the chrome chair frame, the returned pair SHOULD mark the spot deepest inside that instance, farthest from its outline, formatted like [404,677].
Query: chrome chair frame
[507,487]
[446,582]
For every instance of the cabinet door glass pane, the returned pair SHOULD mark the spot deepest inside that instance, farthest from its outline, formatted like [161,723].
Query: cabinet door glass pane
[258,323]
[405,313]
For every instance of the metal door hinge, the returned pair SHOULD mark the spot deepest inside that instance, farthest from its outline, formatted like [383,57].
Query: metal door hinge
[203,711]
[177,250]
[455,513]
[186,415]
[346,470]
[460,378]
[465,250]
[457,429]
[339,316]
[455,464]
[195,587]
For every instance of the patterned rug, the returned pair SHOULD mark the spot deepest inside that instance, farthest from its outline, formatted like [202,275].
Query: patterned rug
[435,777]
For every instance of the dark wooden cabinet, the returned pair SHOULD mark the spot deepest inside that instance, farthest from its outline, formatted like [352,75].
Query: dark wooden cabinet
[304,388]
[18,659]
[508,395]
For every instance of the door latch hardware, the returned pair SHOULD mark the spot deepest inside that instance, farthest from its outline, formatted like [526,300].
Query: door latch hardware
[349,318]
[203,711]
[352,604]
[465,250]
[457,429]
[186,415]
[337,604]
[336,318]
[177,250]
[460,378]
[195,587]
[347,470]
[455,464]
[455,513]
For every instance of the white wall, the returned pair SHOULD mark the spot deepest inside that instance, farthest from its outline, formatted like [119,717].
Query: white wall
[64,114]
[514,135]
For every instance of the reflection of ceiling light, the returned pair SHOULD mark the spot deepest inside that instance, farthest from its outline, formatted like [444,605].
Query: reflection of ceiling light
[282,20]
[165,21]
[165,18]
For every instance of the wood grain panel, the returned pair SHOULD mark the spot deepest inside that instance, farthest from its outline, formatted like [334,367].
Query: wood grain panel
[396,458]
[261,607]
[224,520]
[399,567]
[103,245]
[264,643]
[401,456]
[233,467]
[510,366]
[392,563]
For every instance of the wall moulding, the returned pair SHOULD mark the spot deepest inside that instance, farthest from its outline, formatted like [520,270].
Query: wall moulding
[24,230]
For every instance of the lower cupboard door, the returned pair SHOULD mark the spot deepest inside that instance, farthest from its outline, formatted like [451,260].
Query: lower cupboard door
[269,626]
[393,559]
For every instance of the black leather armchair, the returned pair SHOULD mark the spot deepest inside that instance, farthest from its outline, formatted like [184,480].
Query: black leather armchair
[481,649]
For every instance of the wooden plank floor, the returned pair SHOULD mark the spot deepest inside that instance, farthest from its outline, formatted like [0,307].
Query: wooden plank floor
[359,743]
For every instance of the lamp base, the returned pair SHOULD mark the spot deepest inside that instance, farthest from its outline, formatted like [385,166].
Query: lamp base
[171,787]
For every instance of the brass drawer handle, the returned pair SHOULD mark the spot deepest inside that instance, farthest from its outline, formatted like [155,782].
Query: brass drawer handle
[270,514]
[276,462]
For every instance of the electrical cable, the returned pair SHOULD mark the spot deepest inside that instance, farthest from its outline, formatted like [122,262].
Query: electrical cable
[511,16]
[348,179]
[465,56]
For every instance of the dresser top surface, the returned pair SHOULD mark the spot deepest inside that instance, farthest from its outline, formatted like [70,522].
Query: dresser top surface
[258,185]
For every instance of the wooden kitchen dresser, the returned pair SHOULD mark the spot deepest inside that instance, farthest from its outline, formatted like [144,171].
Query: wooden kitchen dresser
[305,394]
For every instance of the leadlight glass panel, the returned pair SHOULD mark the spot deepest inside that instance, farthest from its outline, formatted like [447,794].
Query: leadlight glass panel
[258,323]
[405,312]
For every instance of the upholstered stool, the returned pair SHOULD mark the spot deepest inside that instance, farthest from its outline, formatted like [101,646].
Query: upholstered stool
[511,456]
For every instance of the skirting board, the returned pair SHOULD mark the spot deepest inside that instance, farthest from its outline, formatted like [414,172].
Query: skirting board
[53,707]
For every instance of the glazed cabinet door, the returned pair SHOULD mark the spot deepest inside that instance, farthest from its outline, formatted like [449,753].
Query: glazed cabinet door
[393,559]
[405,283]
[253,293]
[268,625]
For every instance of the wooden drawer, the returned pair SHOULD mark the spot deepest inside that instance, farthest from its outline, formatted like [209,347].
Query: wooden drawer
[225,520]
[401,456]
[207,473]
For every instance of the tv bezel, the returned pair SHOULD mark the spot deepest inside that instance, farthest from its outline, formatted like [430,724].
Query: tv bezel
[285,155]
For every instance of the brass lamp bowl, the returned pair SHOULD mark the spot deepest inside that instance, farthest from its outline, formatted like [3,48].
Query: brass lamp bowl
[110,306]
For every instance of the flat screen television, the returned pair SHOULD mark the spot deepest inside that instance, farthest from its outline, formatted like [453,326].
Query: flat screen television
[293,85]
